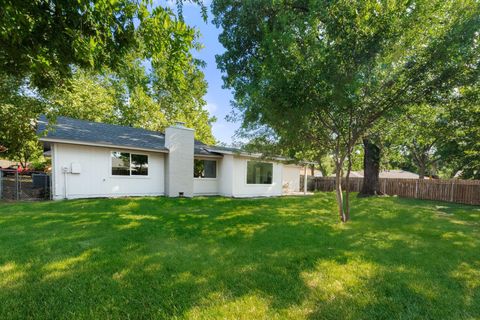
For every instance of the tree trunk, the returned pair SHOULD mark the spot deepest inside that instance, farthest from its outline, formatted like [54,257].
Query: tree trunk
[421,171]
[347,189]
[371,169]
[23,161]
[322,169]
[338,190]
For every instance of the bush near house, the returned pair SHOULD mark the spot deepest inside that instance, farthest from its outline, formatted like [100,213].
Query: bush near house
[221,258]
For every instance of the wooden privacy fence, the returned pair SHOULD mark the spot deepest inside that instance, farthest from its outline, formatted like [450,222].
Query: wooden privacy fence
[458,191]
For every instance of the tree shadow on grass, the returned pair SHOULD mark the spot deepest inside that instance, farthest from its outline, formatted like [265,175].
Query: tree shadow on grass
[163,258]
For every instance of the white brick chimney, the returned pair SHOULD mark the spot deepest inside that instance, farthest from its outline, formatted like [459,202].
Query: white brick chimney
[179,161]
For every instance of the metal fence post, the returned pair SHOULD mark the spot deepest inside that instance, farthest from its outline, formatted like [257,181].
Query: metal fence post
[1,184]
[17,187]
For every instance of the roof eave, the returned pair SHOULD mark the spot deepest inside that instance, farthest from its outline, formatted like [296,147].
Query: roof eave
[104,145]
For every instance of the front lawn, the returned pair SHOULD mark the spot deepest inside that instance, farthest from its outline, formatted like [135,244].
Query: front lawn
[218,258]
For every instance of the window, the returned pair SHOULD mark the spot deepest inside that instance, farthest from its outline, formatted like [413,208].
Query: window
[259,172]
[120,164]
[139,165]
[204,168]
[129,164]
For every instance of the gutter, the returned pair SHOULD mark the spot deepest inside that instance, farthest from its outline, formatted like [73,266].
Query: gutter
[104,145]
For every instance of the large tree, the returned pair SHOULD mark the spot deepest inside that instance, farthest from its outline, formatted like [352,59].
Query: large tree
[320,74]
[109,98]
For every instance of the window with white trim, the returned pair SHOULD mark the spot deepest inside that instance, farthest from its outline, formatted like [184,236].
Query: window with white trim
[204,168]
[129,164]
[259,172]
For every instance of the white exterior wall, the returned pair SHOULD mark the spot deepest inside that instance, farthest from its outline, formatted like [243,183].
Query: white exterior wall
[207,186]
[291,178]
[179,165]
[173,171]
[226,171]
[232,179]
[95,178]
[242,189]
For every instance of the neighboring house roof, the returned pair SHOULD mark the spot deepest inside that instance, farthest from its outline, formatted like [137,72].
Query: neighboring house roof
[356,174]
[398,174]
[390,174]
[97,133]
[6,163]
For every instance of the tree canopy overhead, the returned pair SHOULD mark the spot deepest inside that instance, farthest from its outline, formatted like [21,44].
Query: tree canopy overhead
[43,39]
[321,73]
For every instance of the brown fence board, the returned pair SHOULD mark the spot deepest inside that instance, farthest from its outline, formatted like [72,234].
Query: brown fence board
[458,191]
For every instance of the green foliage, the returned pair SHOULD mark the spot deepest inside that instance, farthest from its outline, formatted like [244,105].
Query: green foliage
[41,40]
[129,100]
[87,97]
[462,151]
[40,164]
[420,133]
[439,140]
[17,130]
[221,258]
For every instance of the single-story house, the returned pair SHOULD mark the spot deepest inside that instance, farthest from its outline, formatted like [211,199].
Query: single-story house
[91,159]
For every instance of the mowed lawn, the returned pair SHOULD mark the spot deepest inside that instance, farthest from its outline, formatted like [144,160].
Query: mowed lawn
[219,258]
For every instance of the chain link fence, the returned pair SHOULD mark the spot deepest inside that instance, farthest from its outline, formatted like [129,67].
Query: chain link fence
[29,185]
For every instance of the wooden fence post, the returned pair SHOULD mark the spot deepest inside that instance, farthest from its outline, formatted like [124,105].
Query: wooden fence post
[451,191]
[416,189]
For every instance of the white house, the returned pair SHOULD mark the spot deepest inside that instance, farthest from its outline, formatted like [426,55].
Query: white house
[91,159]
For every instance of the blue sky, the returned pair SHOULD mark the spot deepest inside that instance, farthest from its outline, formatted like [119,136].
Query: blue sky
[218,99]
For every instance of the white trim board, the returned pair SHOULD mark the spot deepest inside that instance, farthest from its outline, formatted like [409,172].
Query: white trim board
[92,144]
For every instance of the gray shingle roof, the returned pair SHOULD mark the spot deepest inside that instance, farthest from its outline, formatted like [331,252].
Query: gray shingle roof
[105,134]
[90,132]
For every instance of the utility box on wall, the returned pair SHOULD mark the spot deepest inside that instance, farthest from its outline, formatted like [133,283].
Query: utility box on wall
[75,168]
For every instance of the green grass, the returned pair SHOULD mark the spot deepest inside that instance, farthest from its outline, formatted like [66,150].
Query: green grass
[219,258]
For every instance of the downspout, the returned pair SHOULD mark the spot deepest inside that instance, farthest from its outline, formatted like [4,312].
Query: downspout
[305,180]
[64,183]
[65,172]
